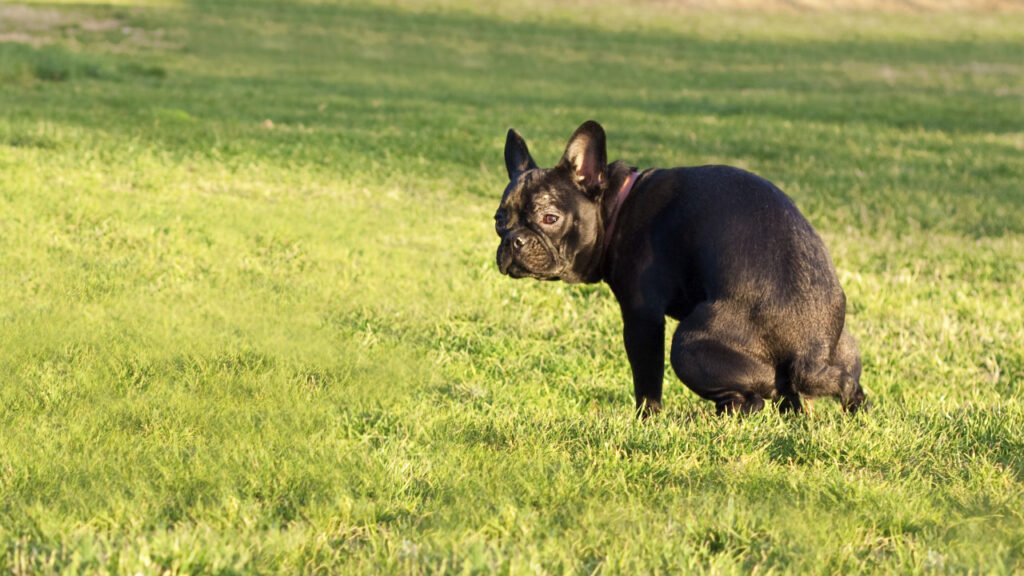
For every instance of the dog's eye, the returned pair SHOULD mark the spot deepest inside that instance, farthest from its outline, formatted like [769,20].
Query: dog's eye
[549,219]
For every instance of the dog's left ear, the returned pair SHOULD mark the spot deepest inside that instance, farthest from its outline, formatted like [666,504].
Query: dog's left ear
[517,155]
[586,157]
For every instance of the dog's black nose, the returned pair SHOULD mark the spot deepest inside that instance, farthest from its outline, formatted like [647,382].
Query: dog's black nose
[518,242]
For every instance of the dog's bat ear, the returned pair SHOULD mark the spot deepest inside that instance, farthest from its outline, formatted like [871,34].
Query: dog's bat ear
[586,156]
[517,155]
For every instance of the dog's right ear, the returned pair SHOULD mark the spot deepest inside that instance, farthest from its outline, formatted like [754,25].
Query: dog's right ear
[517,156]
[587,157]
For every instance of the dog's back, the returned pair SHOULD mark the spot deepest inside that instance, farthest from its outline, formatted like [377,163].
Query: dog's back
[762,263]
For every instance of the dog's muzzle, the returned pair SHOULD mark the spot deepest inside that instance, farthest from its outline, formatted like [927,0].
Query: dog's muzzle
[523,254]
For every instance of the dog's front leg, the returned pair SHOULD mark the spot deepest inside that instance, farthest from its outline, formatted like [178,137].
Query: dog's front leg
[644,335]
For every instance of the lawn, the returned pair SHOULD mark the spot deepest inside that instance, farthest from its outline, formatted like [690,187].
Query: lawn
[250,319]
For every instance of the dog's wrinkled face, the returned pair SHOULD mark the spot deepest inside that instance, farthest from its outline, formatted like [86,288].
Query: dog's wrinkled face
[545,226]
[549,220]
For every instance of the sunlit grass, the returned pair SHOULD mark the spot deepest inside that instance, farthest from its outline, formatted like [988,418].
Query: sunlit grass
[251,320]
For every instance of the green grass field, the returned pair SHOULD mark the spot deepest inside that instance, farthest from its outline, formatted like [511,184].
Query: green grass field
[250,320]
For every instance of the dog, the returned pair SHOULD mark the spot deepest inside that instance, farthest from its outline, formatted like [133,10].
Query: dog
[723,251]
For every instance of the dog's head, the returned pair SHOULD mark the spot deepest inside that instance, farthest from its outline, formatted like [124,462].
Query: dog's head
[550,220]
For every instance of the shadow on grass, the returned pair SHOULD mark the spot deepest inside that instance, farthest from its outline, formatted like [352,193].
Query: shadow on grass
[399,95]
[387,57]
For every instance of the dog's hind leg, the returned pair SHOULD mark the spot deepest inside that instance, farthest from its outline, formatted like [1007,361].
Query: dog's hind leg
[847,357]
[786,397]
[815,374]
[715,353]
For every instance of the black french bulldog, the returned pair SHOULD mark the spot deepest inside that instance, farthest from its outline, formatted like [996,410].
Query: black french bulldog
[761,313]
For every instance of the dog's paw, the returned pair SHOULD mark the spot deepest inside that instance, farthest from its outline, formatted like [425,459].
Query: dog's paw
[647,408]
[859,405]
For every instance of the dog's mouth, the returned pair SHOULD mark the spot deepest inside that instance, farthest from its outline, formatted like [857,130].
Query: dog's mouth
[516,271]
[513,269]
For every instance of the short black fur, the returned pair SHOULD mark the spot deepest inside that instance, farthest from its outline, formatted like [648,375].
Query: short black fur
[760,309]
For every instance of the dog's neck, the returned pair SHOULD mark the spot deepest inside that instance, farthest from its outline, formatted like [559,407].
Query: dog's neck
[613,204]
